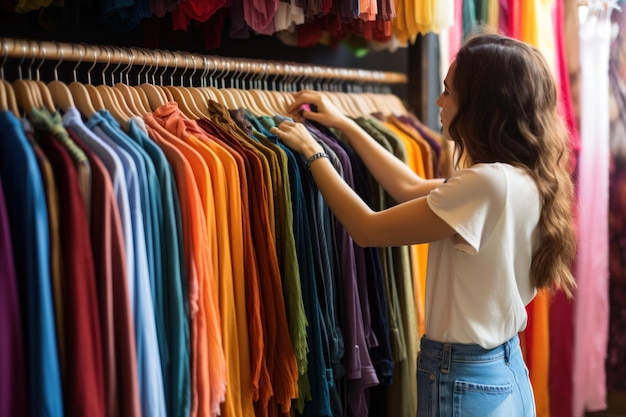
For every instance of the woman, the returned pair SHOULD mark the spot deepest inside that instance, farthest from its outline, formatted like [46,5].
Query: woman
[500,227]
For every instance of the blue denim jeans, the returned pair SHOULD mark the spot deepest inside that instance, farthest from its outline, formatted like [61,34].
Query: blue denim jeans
[461,380]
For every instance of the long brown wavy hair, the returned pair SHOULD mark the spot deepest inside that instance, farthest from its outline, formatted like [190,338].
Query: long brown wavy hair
[508,112]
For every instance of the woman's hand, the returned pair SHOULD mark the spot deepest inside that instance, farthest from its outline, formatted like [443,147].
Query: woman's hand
[315,106]
[297,138]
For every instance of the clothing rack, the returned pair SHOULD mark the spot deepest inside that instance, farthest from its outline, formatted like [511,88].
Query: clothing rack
[208,67]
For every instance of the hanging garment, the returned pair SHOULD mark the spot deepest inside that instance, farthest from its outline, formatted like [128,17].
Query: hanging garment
[123,388]
[591,310]
[84,374]
[174,341]
[208,367]
[148,356]
[26,210]
[12,362]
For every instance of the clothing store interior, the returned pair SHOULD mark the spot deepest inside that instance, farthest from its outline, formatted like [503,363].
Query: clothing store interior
[80,337]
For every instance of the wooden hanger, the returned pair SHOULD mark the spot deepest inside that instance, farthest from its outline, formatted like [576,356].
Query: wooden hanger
[60,93]
[195,98]
[220,92]
[140,97]
[40,87]
[45,95]
[232,100]
[150,92]
[181,101]
[10,97]
[264,105]
[156,97]
[370,103]
[4,95]
[109,100]
[82,98]
[359,104]
[258,97]
[4,104]
[254,102]
[28,97]
[24,96]
[182,95]
[113,105]
[143,98]
[127,97]
[387,103]
[27,82]
[198,96]
[95,97]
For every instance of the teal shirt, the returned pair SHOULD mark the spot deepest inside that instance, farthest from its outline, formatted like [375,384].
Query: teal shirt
[172,318]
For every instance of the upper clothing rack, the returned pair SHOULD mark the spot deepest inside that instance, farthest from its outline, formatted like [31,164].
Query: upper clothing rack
[205,64]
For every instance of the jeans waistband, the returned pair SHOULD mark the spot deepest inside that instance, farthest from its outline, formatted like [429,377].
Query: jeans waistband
[460,352]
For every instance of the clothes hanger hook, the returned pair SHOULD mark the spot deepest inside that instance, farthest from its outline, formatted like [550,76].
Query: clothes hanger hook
[5,50]
[273,70]
[43,58]
[250,76]
[182,75]
[156,66]
[222,73]
[93,65]
[255,75]
[175,66]
[126,71]
[193,59]
[80,59]
[113,51]
[164,67]
[104,82]
[32,60]
[205,71]
[145,61]
[213,78]
[19,66]
[231,75]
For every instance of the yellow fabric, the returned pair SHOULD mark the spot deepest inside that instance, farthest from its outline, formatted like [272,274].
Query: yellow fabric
[536,28]
[238,402]
[493,13]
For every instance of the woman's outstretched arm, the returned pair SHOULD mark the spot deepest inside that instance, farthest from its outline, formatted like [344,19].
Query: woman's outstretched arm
[393,174]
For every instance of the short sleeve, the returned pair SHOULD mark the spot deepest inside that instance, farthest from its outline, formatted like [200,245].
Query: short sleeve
[471,202]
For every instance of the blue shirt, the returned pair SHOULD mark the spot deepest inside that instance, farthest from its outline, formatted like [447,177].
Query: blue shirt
[148,357]
[28,215]
[172,297]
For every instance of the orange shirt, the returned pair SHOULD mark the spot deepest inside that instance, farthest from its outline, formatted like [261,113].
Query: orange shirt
[227,203]
[419,253]
[261,384]
[207,355]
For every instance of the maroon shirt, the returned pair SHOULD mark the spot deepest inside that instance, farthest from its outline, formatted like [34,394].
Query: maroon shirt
[84,388]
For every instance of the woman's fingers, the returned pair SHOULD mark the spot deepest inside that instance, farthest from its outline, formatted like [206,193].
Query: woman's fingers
[304,99]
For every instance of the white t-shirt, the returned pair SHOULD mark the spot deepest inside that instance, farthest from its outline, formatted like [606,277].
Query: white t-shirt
[478,282]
